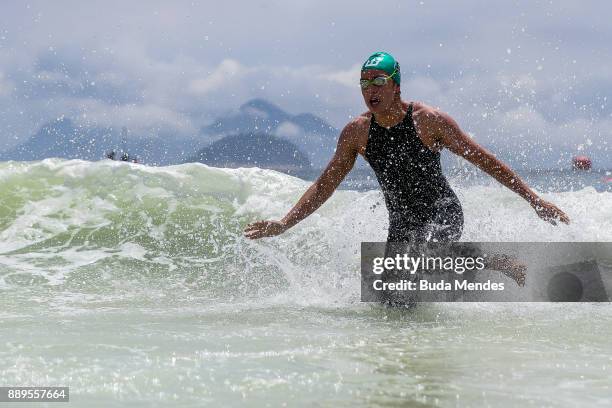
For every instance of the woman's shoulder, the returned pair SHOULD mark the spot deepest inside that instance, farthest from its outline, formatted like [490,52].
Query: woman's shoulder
[422,110]
[360,123]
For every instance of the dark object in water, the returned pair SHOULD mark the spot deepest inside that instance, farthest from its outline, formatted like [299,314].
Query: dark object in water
[581,163]
[112,155]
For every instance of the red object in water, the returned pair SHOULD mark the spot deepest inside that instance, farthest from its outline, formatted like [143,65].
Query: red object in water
[581,163]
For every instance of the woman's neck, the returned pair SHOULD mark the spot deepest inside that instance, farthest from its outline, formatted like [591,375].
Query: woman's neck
[392,117]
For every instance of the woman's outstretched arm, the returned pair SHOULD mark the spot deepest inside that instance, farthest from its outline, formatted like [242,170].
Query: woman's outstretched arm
[450,135]
[341,163]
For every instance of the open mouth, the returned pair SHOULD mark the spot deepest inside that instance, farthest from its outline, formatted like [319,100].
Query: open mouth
[374,101]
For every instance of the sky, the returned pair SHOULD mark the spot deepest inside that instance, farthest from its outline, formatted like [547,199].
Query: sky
[530,78]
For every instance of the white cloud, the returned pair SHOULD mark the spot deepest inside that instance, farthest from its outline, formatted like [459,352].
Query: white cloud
[5,85]
[228,71]
[524,116]
[348,78]
[141,119]
[424,88]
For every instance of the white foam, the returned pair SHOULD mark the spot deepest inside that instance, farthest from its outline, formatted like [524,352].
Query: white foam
[193,214]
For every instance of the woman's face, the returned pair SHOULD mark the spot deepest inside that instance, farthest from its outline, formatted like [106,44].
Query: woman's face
[378,99]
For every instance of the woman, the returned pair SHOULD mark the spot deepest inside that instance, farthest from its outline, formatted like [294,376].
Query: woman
[402,141]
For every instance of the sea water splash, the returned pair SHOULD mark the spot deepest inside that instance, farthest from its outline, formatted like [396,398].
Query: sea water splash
[134,285]
[91,225]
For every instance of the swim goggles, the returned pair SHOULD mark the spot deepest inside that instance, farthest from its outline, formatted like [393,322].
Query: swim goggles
[378,81]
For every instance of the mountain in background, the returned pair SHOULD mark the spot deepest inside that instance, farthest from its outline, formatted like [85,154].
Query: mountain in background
[311,134]
[254,150]
[62,138]
[311,137]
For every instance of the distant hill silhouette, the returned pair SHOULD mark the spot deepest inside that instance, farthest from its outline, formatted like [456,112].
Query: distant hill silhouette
[254,150]
[311,134]
[263,116]
[62,138]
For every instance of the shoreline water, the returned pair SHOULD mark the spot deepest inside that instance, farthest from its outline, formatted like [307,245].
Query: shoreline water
[133,285]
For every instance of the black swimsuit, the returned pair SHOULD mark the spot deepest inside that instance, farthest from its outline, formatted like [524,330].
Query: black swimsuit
[422,206]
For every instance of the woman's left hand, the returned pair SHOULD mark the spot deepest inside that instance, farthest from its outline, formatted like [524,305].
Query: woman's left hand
[549,212]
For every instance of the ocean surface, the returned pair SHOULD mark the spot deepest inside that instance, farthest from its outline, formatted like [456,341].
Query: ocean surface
[133,286]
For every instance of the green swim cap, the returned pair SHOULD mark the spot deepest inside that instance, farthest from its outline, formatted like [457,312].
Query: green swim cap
[384,62]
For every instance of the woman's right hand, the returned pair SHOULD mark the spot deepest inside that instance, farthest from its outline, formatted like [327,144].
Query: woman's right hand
[260,229]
